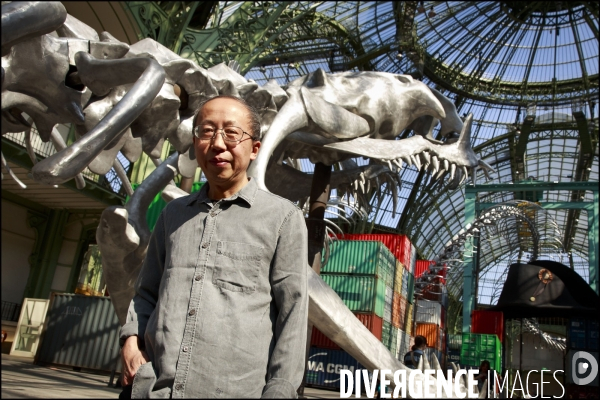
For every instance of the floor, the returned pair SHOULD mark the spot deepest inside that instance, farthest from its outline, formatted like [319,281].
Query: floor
[21,379]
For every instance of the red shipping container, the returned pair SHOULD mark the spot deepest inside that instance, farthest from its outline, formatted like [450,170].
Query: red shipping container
[373,323]
[490,322]
[399,245]
[399,310]
[421,267]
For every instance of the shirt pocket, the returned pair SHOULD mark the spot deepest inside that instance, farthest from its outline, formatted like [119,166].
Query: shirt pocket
[237,266]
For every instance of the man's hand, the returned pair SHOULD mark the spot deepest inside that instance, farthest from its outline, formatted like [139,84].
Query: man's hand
[132,357]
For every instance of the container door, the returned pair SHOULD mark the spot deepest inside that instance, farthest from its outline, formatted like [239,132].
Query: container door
[29,328]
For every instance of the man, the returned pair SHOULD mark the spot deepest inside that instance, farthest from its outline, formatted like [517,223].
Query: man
[221,303]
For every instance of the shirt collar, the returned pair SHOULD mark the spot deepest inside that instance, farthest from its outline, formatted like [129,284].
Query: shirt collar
[247,193]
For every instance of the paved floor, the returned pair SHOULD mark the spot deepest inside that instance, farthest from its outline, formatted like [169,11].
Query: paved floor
[21,379]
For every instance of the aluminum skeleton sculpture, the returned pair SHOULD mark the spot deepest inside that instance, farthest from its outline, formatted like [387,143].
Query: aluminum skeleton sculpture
[130,99]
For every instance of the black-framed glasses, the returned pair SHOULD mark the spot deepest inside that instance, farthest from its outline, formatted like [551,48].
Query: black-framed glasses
[229,134]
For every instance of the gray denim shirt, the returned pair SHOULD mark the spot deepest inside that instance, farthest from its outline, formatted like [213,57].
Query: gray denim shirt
[221,300]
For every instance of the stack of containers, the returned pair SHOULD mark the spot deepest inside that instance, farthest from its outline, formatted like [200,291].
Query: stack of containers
[454,344]
[478,347]
[362,273]
[430,319]
[398,294]
[491,322]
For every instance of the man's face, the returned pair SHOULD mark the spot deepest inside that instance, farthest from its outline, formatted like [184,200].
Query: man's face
[225,163]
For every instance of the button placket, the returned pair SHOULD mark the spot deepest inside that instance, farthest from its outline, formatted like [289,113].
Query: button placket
[195,299]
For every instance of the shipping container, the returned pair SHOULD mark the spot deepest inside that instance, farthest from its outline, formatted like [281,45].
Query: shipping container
[361,258]
[403,345]
[387,309]
[583,334]
[576,336]
[490,322]
[593,339]
[454,356]
[410,295]
[408,325]
[404,288]
[454,342]
[430,312]
[421,266]
[399,245]
[399,310]
[323,366]
[413,258]
[478,347]
[81,331]
[373,323]
[389,337]
[399,273]
[365,294]
[431,333]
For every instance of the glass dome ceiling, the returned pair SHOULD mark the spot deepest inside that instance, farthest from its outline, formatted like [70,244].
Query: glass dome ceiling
[504,62]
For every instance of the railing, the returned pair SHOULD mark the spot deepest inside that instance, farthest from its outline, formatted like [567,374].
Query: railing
[108,181]
[10,311]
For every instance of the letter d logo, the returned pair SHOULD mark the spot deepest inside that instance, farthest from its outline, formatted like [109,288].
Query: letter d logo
[584,368]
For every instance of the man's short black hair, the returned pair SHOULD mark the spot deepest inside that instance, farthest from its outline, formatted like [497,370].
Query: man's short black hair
[254,116]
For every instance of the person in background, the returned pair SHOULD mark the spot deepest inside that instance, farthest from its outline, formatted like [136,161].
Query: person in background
[411,359]
[484,368]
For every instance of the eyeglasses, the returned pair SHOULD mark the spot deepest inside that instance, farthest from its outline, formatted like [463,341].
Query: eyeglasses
[229,134]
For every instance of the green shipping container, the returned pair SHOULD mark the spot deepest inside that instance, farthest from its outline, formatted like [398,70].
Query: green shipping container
[411,288]
[361,257]
[478,347]
[359,293]
[158,204]
[389,337]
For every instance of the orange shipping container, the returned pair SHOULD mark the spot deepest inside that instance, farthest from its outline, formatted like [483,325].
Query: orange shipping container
[373,323]
[399,310]
[431,333]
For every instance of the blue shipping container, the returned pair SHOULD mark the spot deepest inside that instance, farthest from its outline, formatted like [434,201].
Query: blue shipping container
[324,365]
[577,333]
[593,338]
[454,356]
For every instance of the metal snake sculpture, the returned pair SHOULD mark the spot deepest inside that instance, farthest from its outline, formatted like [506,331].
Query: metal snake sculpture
[130,99]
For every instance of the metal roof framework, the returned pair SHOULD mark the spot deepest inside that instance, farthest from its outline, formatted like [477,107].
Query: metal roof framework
[528,71]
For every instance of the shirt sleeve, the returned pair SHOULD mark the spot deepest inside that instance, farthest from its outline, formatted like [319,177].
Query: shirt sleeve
[146,286]
[288,283]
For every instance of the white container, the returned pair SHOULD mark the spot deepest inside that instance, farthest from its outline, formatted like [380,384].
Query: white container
[403,345]
[387,309]
[429,312]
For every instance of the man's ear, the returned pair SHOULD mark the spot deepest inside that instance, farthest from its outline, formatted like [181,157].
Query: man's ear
[255,149]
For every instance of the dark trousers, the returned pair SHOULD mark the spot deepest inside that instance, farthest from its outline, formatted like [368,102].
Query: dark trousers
[126,393]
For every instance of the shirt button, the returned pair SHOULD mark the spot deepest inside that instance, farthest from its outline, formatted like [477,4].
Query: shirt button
[204,245]
[192,312]
[185,349]
[212,214]
[198,277]
[179,386]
